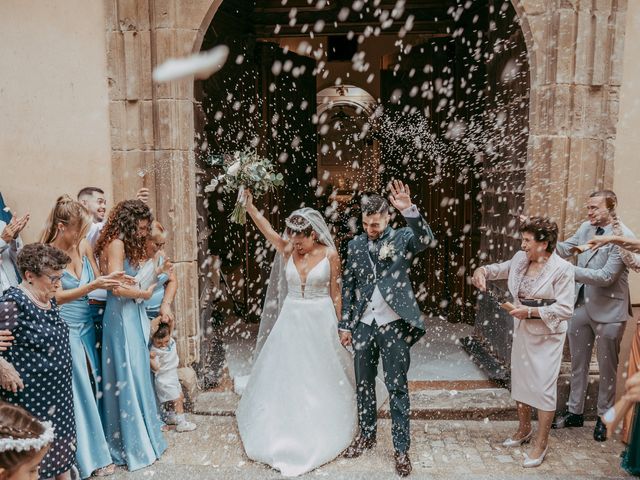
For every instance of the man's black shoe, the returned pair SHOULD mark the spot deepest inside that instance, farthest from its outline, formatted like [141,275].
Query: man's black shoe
[568,419]
[600,432]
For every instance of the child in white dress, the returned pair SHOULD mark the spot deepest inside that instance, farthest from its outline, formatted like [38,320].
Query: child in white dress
[164,363]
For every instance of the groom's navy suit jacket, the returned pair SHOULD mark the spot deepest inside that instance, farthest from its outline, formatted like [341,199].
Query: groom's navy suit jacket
[359,279]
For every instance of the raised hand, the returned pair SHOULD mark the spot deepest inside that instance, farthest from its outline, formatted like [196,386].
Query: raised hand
[143,195]
[400,195]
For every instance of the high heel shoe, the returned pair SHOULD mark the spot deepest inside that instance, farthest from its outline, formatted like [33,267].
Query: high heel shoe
[509,442]
[534,462]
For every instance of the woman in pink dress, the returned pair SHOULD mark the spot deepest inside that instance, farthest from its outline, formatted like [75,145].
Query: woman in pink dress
[536,276]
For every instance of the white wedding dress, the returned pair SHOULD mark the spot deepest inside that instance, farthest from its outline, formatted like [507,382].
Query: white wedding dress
[298,410]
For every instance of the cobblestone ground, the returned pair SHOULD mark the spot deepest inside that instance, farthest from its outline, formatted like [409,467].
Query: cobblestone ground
[440,449]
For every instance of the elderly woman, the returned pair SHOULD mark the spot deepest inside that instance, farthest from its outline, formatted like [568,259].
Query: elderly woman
[536,276]
[35,372]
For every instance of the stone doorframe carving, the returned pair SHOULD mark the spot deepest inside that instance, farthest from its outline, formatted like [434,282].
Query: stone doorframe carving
[575,55]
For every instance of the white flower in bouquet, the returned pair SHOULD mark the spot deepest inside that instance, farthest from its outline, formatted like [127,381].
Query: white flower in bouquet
[244,169]
[234,169]
[213,184]
[387,250]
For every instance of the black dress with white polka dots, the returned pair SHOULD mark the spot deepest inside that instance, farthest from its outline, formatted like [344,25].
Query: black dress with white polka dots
[42,356]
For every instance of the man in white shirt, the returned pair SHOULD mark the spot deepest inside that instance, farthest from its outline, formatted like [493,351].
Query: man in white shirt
[380,314]
[94,199]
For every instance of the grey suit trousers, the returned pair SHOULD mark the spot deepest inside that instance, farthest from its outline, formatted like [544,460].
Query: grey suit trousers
[583,333]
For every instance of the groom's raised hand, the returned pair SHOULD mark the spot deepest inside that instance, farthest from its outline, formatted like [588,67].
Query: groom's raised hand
[400,195]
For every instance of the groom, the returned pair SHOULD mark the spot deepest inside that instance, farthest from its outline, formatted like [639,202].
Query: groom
[380,315]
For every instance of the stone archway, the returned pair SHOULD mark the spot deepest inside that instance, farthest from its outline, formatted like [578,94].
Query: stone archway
[576,73]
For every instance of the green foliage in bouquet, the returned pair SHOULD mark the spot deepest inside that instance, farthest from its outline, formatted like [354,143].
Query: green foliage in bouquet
[241,170]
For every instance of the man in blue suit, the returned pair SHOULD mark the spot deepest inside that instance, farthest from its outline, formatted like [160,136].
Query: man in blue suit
[380,314]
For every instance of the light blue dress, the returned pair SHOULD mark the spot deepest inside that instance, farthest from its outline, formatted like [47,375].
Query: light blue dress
[153,304]
[92,450]
[130,413]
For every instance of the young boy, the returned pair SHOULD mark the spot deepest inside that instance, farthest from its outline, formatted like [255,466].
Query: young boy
[164,363]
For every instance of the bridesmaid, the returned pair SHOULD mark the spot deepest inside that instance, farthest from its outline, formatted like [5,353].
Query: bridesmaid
[130,413]
[66,228]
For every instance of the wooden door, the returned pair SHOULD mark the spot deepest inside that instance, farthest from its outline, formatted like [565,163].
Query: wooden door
[441,180]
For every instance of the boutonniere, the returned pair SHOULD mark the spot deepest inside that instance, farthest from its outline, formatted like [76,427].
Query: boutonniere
[387,250]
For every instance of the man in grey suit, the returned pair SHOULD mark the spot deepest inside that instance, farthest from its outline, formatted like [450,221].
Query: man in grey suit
[602,308]
[381,316]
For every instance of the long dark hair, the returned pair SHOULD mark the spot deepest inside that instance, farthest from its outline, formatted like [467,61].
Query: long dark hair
[123,224]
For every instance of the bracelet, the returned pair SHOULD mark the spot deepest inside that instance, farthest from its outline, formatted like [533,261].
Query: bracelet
[529,312]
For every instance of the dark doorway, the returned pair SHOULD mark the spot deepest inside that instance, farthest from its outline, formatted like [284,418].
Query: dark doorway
[457,81]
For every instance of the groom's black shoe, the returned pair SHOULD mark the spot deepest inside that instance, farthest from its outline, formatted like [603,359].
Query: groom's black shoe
[358,447]
[403,464]
[600,432]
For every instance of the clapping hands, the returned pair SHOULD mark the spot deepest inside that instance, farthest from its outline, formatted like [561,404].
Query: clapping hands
[14,227]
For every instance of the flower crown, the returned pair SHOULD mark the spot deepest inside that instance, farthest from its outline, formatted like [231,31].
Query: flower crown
[10,444]
[294,227]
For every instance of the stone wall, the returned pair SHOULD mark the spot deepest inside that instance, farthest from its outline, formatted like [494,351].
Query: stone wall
[576,57]
[152,130]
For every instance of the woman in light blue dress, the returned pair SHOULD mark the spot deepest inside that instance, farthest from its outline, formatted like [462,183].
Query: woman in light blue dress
[66,228]
[130,415]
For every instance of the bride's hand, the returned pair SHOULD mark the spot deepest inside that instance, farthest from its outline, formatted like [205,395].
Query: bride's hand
[345,338]
[248,199]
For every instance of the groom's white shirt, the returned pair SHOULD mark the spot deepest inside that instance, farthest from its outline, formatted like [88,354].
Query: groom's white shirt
[378,309]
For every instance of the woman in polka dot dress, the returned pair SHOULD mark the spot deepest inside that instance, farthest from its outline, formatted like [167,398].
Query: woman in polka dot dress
[35,372]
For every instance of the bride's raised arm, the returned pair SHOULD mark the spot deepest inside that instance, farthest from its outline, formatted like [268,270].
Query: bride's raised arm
[335,285]
[263,225]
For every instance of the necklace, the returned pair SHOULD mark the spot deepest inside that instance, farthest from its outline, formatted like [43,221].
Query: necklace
[42,305]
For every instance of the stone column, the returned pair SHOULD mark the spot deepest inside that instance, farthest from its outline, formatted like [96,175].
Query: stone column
[152,132]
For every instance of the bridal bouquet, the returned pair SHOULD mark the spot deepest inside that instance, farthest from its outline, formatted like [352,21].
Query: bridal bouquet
[244,169]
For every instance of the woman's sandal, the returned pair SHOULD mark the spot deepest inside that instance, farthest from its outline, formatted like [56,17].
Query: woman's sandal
[105,471]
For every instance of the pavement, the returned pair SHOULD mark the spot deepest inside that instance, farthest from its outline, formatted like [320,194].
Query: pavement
[441,449]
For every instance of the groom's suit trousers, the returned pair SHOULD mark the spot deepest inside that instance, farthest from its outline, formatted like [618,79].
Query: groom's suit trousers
[370,343]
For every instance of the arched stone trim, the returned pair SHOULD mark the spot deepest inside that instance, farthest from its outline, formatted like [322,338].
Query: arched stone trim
[575,56]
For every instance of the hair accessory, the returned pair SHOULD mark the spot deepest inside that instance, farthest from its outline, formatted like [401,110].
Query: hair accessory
[294,227]
[10,444]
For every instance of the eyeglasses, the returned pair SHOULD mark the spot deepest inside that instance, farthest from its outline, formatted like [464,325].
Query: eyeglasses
[53,278]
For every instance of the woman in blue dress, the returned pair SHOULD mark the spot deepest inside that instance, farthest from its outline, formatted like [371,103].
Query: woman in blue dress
[66,229]
[130,414]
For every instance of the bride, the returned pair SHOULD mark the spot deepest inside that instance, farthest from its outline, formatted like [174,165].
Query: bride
[298,410]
